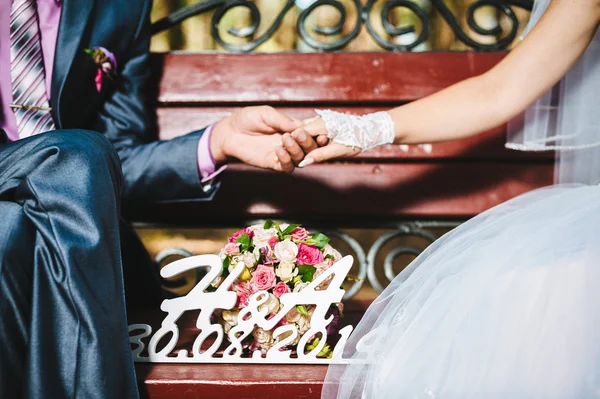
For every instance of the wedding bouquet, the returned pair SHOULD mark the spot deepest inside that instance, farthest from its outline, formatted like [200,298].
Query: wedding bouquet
[277,258]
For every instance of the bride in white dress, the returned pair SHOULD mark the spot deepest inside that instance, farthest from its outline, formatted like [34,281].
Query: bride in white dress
[507,305]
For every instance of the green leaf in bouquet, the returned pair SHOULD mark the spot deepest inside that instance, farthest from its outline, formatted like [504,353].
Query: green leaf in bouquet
[280,235]
[318,240]
[226,263]
[307,272]
[268,224]
[330,257]
[290,228]
[296,279]
[326,352]
[302,310]
[313,344]
[244,241]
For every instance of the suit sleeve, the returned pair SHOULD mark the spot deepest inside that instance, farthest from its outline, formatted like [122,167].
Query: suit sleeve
[153,171]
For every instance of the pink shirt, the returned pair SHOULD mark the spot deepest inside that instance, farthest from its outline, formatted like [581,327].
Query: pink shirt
[49,19]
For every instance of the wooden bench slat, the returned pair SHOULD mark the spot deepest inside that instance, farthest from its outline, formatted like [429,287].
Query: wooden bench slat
[230,381]
[312,78]
[176,121]
[355,194]
[451,180]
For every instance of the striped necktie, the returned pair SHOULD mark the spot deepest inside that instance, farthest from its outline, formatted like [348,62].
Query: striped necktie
[30,102]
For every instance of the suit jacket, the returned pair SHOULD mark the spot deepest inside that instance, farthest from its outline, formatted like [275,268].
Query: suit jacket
[153,171]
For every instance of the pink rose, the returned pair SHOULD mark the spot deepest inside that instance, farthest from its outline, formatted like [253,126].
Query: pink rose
[263,278]
[231,249]
[299,234]
[272,241]
[280,289]
[243,291]
[309,255]
[235,235]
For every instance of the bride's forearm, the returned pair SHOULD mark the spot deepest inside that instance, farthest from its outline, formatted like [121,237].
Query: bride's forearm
[477,104]
[484,102]
[462,110]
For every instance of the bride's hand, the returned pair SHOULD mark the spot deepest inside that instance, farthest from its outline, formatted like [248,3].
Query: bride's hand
[327,150]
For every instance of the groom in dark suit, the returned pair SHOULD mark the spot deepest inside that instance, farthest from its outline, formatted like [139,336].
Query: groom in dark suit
[74,142]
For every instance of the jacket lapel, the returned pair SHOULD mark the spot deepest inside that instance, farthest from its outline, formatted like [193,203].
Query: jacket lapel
[74,18]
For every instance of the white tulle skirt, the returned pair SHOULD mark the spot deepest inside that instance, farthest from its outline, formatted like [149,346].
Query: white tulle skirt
[505,306]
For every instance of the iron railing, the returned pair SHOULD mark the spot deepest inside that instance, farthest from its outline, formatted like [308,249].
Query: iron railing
[397,243]
[504,37]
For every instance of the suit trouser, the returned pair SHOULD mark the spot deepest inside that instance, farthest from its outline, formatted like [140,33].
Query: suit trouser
[63,326]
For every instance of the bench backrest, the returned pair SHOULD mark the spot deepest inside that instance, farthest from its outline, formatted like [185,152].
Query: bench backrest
[452,180]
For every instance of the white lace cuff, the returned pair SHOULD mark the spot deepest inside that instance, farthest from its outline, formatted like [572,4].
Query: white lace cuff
[365,132]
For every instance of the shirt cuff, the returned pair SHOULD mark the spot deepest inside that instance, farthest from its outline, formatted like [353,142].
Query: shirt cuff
[207,167]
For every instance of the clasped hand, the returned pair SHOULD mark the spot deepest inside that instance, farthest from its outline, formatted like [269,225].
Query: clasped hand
[263,137]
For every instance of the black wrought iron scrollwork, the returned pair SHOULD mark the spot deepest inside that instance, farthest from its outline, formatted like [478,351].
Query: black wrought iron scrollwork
[360,260]
[366,266]
[248,31]
[310,35]
[397,32]
[414,229]
[503,6]
[338,44]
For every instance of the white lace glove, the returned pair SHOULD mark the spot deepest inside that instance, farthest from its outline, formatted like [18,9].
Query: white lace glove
[365,132]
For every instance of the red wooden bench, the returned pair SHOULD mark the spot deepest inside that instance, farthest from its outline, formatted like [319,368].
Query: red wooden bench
[449,181]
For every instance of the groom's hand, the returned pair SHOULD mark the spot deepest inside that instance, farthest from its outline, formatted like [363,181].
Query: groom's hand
[254,136]
[323,150]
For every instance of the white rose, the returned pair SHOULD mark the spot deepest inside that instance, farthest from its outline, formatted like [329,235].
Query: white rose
[300,285]
[303,324]
[329,250]
[249,260]
[230,317]
[272,304]
[286,251]
[293,315]
[286,271]
[262,236]
[262,337]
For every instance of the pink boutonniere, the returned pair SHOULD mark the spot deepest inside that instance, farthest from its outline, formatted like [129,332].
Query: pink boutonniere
[105,62]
